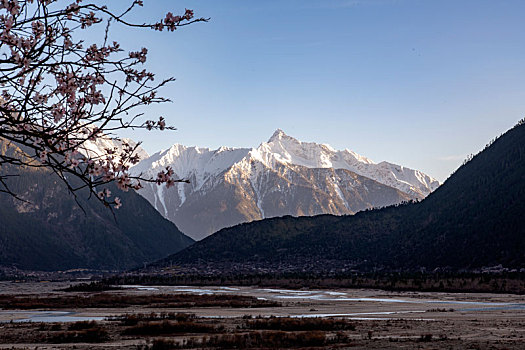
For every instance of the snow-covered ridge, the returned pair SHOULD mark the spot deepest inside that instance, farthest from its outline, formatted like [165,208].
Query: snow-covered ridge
[204,163]
[288,150]
[191,162]
[97,149]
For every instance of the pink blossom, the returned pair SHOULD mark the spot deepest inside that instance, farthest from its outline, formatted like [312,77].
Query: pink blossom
[105,193]
[72,9]
[73,163]
[43,156]
[123,182]
[118,203]
[38,28]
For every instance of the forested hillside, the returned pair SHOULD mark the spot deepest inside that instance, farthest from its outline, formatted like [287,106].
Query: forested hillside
[48,230]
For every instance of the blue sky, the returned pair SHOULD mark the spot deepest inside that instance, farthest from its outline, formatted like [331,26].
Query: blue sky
[415,82]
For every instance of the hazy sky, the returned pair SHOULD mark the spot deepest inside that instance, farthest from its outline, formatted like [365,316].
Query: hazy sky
[415,82]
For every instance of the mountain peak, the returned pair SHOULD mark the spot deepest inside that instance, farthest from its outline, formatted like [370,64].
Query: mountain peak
[277,135]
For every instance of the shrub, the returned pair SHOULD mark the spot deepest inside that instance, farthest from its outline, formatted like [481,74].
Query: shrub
[426,338]
[300,324]
[152,328]
[92,335]
[78,326]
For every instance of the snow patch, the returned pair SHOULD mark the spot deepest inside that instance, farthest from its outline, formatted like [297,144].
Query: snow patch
[182,195]
[160,195]
[340,194]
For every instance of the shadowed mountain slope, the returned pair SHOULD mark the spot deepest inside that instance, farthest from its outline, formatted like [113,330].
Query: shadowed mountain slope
[51,232]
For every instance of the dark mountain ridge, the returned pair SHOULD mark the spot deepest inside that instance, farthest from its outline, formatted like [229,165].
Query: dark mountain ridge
[50,231]
[473,220]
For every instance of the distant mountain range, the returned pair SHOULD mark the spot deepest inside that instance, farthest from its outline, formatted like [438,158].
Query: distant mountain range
[49,231]
[281,177]
[474,219]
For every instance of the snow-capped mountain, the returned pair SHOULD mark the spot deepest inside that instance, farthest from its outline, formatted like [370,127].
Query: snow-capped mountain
[280,177]
[97,149]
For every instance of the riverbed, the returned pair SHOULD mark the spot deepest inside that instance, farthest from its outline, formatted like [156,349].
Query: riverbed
[376,319]
[359,304]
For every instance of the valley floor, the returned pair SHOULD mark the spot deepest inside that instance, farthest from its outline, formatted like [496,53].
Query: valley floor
[166,317]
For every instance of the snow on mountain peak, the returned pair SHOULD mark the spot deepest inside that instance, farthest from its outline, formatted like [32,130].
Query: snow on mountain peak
[201,164]
[193,162]
[285,149]
[288,150]
[277,135]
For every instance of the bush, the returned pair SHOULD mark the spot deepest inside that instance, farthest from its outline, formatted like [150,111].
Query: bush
[271,339]
[300,324]
[426,338]
[92,335]
[78,326]
[152,328]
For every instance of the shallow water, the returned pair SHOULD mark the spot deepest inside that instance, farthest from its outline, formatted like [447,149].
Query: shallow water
[327,295]
[149,288]
[46,316]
